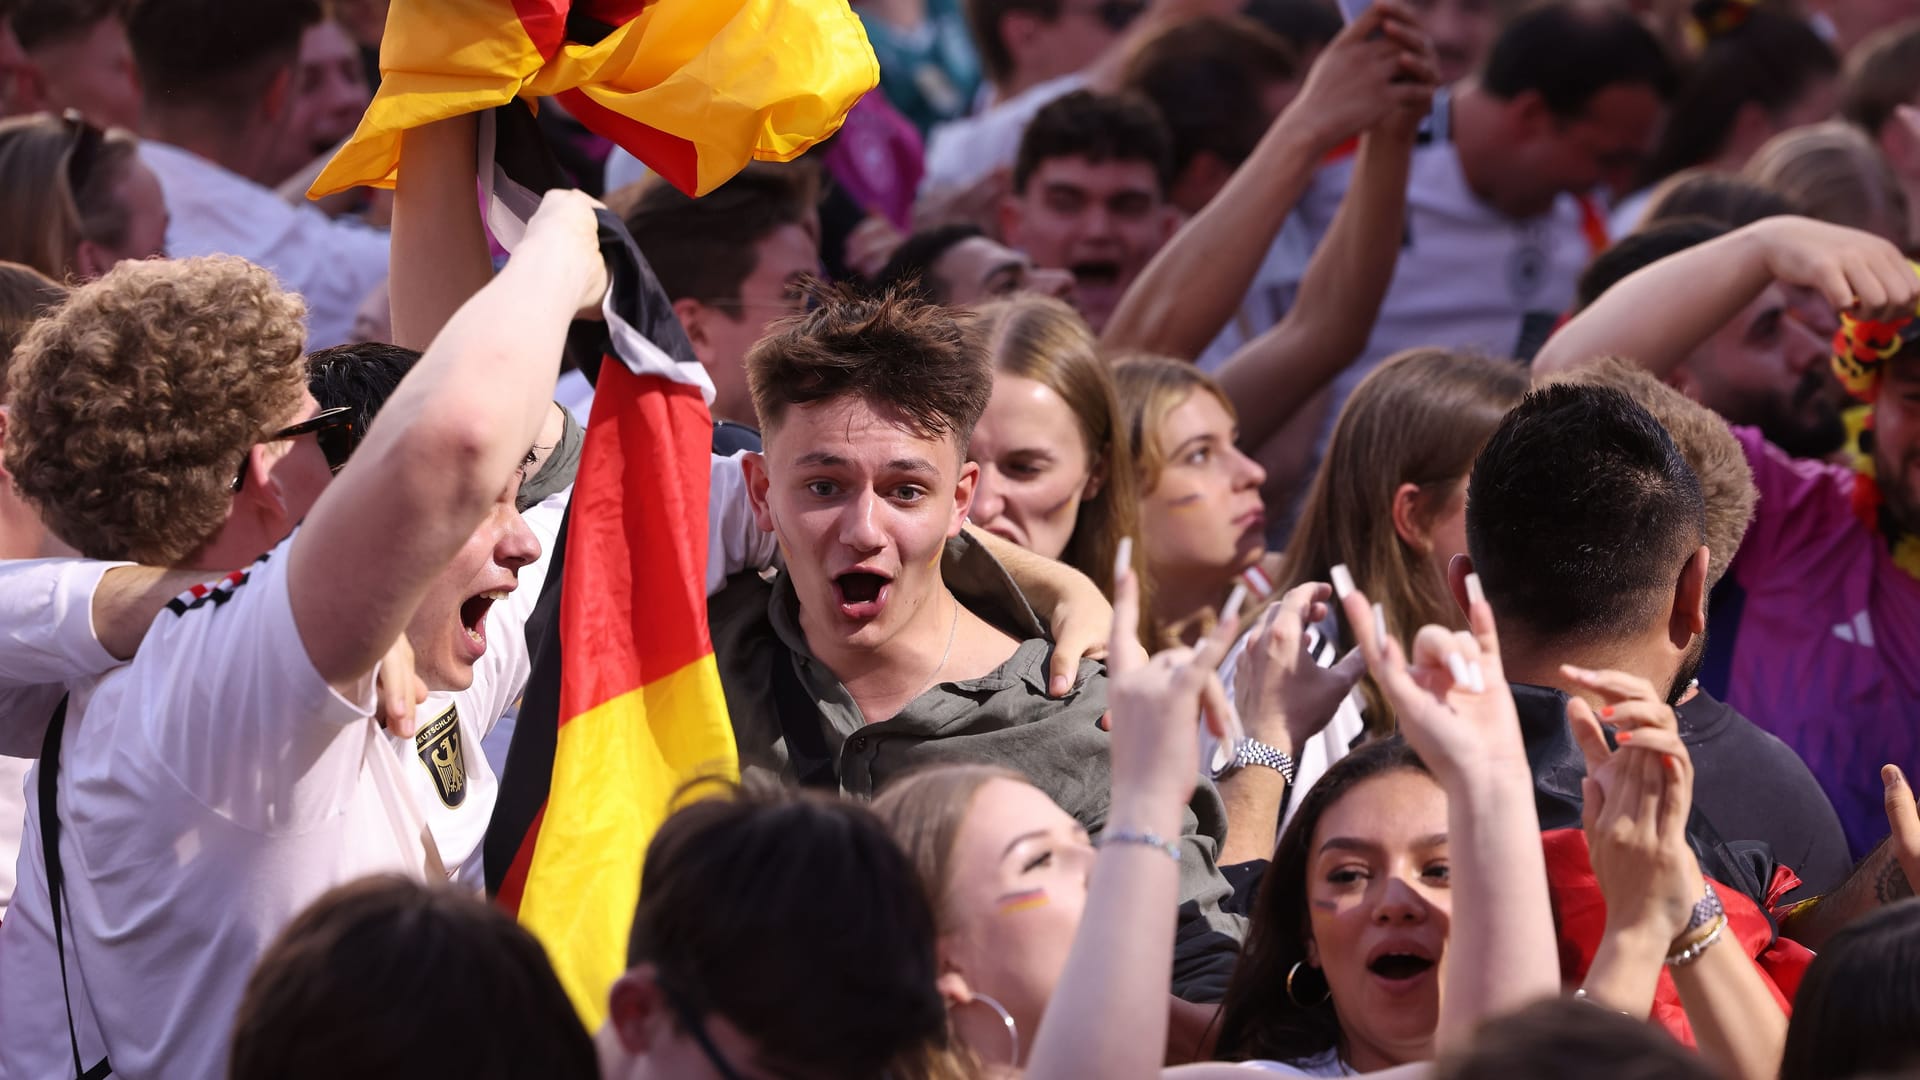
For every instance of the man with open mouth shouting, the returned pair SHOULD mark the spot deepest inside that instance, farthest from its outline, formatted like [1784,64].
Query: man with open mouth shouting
[1090,195]
[859,661]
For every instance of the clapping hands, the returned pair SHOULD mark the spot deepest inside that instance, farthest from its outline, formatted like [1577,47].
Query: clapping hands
[1636,802]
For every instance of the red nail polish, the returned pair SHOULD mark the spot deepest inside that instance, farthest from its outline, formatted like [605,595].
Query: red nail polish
[1606,712]
[1624,737]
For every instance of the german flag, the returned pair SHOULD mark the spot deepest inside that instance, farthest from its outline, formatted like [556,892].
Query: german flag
[693,88]
[624,705]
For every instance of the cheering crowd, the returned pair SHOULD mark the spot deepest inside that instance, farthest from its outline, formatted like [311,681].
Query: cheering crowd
[1238,535]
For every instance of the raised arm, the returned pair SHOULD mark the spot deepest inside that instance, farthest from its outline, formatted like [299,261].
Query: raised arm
[1455,709]
[1277,373]
[1659,911]
[1658,315]
[1194,285]
[1109,1013]
[439,257]
[445,446]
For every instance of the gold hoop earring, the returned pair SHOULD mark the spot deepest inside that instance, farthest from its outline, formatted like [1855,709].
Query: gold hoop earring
[1295,998]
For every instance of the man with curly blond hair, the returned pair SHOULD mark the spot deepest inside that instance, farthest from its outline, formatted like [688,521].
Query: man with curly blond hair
[226,777]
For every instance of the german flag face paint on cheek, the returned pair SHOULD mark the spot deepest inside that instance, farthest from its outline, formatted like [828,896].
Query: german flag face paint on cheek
[1025,900]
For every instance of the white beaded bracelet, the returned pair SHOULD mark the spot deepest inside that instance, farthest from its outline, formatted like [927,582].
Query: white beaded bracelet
[1144,839]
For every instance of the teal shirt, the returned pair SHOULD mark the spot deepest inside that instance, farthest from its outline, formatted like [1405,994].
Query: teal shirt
[930,74]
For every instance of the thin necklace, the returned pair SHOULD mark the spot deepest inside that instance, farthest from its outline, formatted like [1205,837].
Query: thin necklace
[952,628]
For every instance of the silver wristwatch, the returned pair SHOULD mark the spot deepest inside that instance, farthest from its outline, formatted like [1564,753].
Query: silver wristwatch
[1251,752]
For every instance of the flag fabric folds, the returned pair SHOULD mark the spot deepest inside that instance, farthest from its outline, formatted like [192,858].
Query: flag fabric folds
[693,88]
[624,706]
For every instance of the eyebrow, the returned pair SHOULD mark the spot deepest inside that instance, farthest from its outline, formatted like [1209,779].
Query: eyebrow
[1349,843]
[1010,266]
[1190,440]
[828,459]
[1036,834]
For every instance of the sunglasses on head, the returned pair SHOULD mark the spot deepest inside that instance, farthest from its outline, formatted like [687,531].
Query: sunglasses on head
[333,429]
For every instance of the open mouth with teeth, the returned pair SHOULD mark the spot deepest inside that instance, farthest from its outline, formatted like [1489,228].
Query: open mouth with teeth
[1096,273]
[473,615]
[1400,967]
[860,594]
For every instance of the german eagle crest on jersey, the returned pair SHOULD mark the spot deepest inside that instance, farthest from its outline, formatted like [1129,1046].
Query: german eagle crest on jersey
[438,745]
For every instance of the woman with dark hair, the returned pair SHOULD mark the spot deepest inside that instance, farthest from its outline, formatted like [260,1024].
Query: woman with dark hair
[389,977]
[1387,842]
[780,932]
[1858,1009]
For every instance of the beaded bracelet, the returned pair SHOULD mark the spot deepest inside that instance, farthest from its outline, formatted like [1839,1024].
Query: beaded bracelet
[1144,839]
[1689,954]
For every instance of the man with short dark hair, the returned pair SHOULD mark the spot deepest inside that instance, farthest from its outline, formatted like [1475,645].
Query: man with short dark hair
[1090,194]
[959,265]
[80,53]
[215,105]
[861,660]
[1587,529]
[732,261]
[1765,368]
[1217,82]
[1818,640]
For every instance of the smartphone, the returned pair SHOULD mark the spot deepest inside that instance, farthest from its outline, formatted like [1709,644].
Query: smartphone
[1353,9]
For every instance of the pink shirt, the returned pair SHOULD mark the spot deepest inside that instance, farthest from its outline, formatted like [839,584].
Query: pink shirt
[1827,651]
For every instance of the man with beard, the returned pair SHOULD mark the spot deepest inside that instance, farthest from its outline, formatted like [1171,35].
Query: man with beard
[1587,529]
[1818,640]
[1765,367]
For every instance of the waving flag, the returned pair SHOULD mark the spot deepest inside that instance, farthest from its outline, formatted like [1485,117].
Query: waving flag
[624,705]
[693,88]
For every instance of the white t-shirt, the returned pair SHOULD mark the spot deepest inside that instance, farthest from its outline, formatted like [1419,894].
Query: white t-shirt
[209,791]
[1468,276]
[334,264]
[964,152]
[46,635]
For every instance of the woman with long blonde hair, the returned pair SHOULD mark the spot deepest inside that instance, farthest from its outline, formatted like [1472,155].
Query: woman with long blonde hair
[1056,473]
[79,199]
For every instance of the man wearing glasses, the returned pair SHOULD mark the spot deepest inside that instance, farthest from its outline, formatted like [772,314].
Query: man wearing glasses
[207,791]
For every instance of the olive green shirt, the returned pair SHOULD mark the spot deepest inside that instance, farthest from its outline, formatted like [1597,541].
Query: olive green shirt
[1002,718]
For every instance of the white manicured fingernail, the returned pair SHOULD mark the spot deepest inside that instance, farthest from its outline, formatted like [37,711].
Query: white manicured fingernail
[1476,677]
[1234,599]
[1123,558]
[1457,667]
[1475,594]
[1342,580]
[1380,627]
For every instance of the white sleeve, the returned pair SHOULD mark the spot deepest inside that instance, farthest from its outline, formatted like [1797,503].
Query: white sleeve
[236,711]
[46,621]
[735,541]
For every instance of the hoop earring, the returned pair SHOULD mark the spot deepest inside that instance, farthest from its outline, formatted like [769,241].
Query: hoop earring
[1295,998]
[1013,1029]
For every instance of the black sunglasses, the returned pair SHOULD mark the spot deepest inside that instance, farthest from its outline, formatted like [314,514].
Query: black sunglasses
[83,154]
[335,431]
